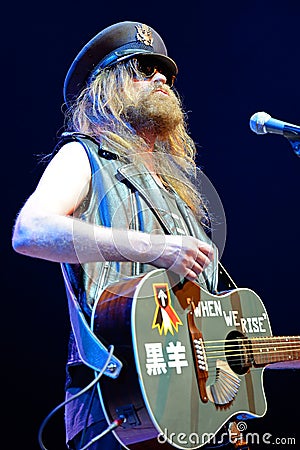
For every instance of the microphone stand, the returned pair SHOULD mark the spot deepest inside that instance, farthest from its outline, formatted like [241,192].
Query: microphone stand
[295,143]
[293,136]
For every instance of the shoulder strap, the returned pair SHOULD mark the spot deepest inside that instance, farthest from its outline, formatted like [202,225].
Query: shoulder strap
[69,136]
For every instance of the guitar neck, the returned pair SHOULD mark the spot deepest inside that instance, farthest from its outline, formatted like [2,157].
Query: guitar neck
[275,349]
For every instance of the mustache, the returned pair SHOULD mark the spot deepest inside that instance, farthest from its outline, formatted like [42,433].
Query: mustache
[157,86]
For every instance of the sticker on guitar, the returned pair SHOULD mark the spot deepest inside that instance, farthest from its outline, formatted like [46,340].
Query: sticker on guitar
[213,308]
[165,317]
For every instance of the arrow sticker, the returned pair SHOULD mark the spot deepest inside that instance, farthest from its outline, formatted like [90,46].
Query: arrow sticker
[162,297]
[165,317]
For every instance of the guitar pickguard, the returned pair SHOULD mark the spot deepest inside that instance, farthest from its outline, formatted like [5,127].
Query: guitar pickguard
[223,391]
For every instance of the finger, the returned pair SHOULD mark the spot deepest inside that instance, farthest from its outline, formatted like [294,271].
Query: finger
[207,249]
[203,260]
[191,275]
[196,268]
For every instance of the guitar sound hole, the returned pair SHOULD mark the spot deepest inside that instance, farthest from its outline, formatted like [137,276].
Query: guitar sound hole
[237,352]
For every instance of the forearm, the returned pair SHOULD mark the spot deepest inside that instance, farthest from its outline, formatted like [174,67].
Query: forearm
[62,238]
[65,239]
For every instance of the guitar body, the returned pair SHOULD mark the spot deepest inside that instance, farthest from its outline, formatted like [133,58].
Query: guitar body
[185,368]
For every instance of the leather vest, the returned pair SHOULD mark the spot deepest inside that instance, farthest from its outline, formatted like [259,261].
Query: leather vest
[123,196]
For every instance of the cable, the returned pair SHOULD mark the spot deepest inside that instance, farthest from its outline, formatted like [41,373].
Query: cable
[95,381]
[116,423]
[87,416]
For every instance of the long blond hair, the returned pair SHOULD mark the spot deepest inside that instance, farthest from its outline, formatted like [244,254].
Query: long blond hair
[99,113]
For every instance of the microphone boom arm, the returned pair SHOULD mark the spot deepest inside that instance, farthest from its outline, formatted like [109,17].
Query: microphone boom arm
[262,123]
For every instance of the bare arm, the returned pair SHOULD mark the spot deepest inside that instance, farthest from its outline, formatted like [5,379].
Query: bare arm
[46,229]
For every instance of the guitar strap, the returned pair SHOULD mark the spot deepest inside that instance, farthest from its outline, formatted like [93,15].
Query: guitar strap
[91,350]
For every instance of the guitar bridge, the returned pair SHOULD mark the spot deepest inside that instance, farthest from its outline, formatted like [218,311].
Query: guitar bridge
[199,353]
[200,362]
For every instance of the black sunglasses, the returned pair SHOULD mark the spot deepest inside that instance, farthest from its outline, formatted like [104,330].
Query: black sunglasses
[147,68]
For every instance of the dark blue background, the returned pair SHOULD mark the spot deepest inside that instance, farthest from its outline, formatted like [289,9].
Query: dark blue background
[234,58]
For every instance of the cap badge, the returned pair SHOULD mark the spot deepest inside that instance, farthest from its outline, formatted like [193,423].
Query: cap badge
[144,34]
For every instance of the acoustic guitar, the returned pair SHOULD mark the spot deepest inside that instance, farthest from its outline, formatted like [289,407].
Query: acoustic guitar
[191,359]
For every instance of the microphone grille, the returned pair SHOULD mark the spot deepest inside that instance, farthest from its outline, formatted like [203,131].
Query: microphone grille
[257,122]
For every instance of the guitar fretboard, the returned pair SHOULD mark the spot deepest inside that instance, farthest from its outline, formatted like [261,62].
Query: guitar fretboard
[275,349]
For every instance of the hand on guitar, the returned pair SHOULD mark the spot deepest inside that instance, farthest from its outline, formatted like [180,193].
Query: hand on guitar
[184,255]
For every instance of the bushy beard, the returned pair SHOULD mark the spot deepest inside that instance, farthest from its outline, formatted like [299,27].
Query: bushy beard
[153,112]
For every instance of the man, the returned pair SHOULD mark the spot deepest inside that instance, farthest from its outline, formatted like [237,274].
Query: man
[119,196]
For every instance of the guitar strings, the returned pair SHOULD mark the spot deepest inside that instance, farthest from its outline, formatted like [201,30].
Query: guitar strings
[249,346]
[233,364]
[242,354]
[274,345]
[235,355]
[277,346]
[270,347]
[264,338]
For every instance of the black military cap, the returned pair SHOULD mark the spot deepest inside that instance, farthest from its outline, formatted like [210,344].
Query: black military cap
[115,43]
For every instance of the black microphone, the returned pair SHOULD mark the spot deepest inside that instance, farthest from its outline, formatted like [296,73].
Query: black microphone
[262,123]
